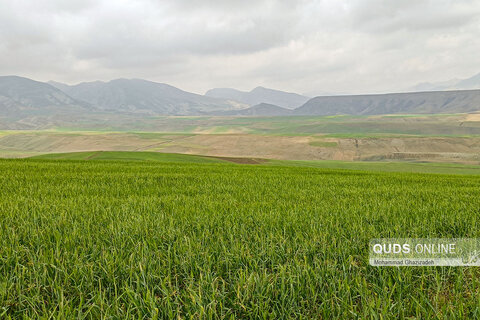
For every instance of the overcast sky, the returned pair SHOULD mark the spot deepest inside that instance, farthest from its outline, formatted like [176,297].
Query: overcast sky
[329,46]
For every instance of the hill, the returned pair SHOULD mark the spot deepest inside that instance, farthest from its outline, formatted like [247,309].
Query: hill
[262,110]
[260,95]
[144,97]
[394,103]
[128,156]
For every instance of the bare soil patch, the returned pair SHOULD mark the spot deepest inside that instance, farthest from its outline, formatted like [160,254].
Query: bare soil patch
[473,117]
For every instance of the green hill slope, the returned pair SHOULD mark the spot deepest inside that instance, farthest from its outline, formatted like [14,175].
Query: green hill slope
[413,167]
[128,156]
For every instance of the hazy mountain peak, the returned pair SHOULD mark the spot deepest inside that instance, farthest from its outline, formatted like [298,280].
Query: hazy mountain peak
[145,97]
[453,84]
[267,109]
[32,92]
[470,83]
[23,98]
[260,95]
[259,110]
[11,79]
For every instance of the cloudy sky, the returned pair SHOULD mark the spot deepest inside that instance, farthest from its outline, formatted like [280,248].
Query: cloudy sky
[324,46]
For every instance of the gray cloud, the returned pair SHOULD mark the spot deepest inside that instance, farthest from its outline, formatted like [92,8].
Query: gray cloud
[304,46]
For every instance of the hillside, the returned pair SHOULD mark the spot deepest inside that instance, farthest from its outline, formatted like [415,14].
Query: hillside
[394,103]
[144,97]
[188,158]
[426,138]
[260,95]
[22,97]
[129,156]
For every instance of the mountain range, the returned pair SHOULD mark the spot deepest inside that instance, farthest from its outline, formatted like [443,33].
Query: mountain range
[144,97]
[25,103]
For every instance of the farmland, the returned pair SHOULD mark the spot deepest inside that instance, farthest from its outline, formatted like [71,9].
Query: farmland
[382,166]
[145,236]
[405,138]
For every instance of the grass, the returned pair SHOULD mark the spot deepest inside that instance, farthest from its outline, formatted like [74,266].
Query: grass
[128,156]
[324,144]
[446,168]
[136,240]
[385,166]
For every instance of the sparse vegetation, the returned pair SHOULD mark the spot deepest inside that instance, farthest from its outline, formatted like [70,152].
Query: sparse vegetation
[447,138]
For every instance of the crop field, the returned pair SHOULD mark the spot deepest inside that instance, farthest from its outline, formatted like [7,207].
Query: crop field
[129,156]
[94,239]
[393,166]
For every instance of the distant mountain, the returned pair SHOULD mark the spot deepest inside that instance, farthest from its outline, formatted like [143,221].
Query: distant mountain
[229,94]
[454,84]
[436,86]
[262,110]
[470,83]
[144,97]
[394,103]
[22,97]
[25,103]
[260,95]
[60,86]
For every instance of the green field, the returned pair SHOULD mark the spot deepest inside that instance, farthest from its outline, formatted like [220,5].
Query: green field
[447,168]
[128,156]
[158,239]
